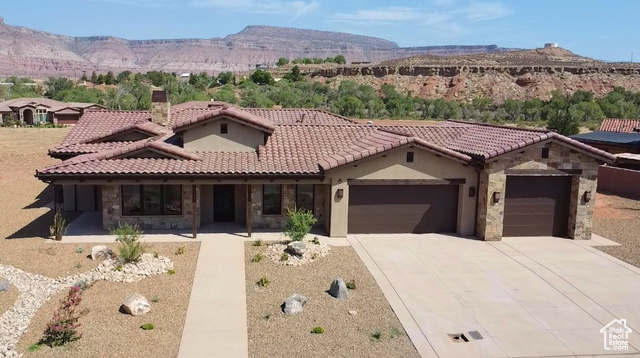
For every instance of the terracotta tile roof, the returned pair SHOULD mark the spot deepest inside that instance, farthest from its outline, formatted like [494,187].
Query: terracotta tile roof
[84,148]
[620,125]
[231,112]
[147,127]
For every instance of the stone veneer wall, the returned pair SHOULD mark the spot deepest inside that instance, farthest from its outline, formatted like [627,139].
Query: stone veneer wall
[112,211]
[288,202]
[493,179]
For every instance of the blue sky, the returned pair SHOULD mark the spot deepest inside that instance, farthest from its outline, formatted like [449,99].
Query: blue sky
[607,30]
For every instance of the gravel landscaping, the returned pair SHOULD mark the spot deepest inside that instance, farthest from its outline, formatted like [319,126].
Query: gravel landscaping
[274,334]
[8,298]
[618,219]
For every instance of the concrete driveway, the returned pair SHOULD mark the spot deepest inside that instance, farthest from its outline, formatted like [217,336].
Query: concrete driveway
[527,297]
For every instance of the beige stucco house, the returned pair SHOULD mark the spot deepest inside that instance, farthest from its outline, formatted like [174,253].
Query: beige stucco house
[38,111]
[198,165]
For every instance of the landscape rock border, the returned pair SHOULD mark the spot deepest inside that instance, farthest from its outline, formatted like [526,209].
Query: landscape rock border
[313,252]
[35,290]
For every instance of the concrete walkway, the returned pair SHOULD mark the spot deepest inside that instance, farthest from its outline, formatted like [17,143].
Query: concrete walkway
[216,324]
[527,297]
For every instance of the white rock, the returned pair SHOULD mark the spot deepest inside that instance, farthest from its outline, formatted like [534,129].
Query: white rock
[294,304]
[353,313]
[101,253]
[338,289]
[136,305]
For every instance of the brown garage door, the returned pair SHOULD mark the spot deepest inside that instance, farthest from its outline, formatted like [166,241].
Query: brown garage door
[402,208]
[537,206]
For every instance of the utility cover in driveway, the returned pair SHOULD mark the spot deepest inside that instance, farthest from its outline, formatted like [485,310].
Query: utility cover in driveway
[402,208]
[537,206]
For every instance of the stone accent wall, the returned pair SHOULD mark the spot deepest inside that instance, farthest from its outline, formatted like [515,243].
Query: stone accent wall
[160,112]
[493,179]
[112,211]
[288,202]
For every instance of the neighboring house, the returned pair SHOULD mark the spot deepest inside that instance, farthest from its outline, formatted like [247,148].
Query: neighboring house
[198,164]
[615,136]
[36,111]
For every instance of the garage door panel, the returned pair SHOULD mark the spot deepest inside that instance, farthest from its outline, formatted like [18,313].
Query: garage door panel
[402,208]
[537,206]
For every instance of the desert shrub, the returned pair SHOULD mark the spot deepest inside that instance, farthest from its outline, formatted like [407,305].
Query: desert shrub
[155,299]
[58,228]
[300,223]
[257,243]
[80,250]
[284,256]
[257,257]
[180,250]
[317,330]
[128,235]
[376,335]
[315,241]
[351,284]
[147,326]
[62,328]
[171,272]
[263,281]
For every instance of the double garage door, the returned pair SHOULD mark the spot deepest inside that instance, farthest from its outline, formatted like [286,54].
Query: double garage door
[402,208]
[537,206]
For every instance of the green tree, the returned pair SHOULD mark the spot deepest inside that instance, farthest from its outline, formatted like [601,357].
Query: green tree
[350,106]
[294,75]
[110,79]
[261,77]
[586,112]
[84,76]
[101,79]
[513,109]
[225,95]
[330,60]
[225,78]
[94,78]
[282,62]
[562,123]
[82,94]
[340,60]
[56,85]
[123,76]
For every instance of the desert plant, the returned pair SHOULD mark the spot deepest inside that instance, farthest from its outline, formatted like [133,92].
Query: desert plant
[34,347]
[263,281]
[314,256]
[119,268]
[257,243]
[80,250]
[376,335]
[299,224]
[180,250]
[266,316]
[62,328]
[155,299]
[351,284]
[58,228]
[257,257]
[147,326]
[171,272]
[78,265]
[315,241]
[128,236]
[396,333]
[155,254]
[317,330]
[284,257]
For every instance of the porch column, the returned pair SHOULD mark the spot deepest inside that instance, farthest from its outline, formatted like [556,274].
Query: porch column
[194,211]
[57,205]
[249,210]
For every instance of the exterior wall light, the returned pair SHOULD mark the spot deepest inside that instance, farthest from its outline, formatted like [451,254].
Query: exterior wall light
[340,193]
[472,191]
[587,196]
[496,196]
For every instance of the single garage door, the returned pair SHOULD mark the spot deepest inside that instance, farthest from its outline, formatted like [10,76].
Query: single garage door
[402,208]
[537,206]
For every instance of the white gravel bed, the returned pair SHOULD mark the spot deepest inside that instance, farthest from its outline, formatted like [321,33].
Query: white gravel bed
[314,252]
[35,290]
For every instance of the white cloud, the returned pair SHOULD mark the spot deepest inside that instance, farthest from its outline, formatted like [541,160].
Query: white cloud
[485,11]
[294,9]
[142,3]
[377,16]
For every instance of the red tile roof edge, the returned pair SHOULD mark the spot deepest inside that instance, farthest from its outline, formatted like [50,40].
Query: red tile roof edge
[232,112]
[619,125]
[604,156]
[143,126]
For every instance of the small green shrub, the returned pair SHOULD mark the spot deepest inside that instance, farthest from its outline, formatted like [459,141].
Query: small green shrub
[128,235]
[62,328]
[376,335]
[266,316]
[257,257]
[396,333]
[315,241]
[155,254]
[284,257]
[180,250]
[257,243]
[351,284]
[58,228]
[317,330]
[147,326]
[78,265]
[263,281]
[155,299]
[34,347]
[80,250]
[171,272]
[300,223]
[119,268]
[314,256]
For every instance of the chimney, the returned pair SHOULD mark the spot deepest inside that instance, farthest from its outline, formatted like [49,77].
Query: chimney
[160,108]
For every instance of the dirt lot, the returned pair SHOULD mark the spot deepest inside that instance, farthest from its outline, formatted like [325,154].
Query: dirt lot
[24,225]
[274,334]
[618,219]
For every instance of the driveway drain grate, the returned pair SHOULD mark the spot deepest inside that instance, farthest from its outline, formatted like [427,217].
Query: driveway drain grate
[475,335]
[458,337]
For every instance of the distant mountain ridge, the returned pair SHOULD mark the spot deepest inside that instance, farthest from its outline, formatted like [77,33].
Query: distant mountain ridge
[25,51]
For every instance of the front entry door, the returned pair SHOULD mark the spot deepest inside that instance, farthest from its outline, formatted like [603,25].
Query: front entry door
[224,203]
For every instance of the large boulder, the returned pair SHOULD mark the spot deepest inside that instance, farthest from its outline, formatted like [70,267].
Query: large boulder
[297,248]
[294,304]
[101,253]
[136,305]
[4,285]
[338,289]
